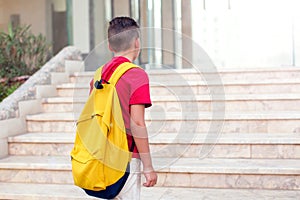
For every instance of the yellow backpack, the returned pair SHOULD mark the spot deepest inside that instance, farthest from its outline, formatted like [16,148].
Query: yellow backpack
[100,156]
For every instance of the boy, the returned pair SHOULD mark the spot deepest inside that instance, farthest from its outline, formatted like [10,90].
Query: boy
[134,96]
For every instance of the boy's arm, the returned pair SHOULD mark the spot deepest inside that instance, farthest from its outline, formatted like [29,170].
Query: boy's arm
[140,135]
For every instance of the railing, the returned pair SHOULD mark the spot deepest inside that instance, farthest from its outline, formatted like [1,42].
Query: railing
[27,91]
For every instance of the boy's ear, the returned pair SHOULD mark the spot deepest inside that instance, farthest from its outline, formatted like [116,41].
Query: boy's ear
[137,43]
[110,48]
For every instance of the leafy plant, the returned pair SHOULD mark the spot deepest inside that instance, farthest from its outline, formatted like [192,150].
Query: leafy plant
[21,53]
[6,90]
[12,88]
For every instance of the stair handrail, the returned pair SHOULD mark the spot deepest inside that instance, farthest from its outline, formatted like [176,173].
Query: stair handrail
[27,91]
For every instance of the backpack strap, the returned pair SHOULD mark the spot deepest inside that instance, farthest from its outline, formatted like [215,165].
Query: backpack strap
[121,69]
[98,72]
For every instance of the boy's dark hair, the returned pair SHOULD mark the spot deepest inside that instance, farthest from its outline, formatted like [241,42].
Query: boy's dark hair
[121,32]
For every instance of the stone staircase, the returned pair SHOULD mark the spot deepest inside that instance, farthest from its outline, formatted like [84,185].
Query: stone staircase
[256,155]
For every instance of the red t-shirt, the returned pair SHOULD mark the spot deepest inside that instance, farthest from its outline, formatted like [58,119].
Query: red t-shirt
[132,89]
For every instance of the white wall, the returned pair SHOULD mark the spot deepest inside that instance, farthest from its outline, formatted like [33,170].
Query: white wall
[2,18]
[252,33]
[31,13]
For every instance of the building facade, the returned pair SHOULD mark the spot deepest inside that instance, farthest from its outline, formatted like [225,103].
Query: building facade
[233,33]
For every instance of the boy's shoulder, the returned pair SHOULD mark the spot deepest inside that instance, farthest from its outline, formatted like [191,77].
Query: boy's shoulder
[136,73]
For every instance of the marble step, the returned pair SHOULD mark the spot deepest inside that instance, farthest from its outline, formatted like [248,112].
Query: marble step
[16,191]
[275,146]
[192,74]
[193,88]
[257,102]
[29,191]
[281,174]
[203,122]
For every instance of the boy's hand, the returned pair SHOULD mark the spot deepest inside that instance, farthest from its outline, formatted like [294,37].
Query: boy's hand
[151,178]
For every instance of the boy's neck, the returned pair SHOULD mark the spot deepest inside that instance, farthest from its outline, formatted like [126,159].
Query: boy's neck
[130,55]
[125,56]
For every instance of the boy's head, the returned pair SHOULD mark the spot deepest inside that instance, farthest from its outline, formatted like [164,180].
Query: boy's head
[123,32]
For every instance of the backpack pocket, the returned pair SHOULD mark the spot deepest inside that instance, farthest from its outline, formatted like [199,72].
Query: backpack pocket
[88,172]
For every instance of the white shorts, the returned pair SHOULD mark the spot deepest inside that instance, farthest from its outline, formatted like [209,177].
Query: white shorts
[132,187]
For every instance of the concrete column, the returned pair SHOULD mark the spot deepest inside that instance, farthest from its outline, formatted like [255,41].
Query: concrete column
[157,33]
[81,32]
[48,10]
[168,55]
[144,34]
[187,48]
[150,38]
[296,39]
[178,33]
[100,21]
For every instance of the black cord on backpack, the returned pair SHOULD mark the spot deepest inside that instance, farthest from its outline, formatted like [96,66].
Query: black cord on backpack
[98,84]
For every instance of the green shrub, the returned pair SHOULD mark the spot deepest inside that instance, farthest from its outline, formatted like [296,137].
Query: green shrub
[6,90]
[21,53]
